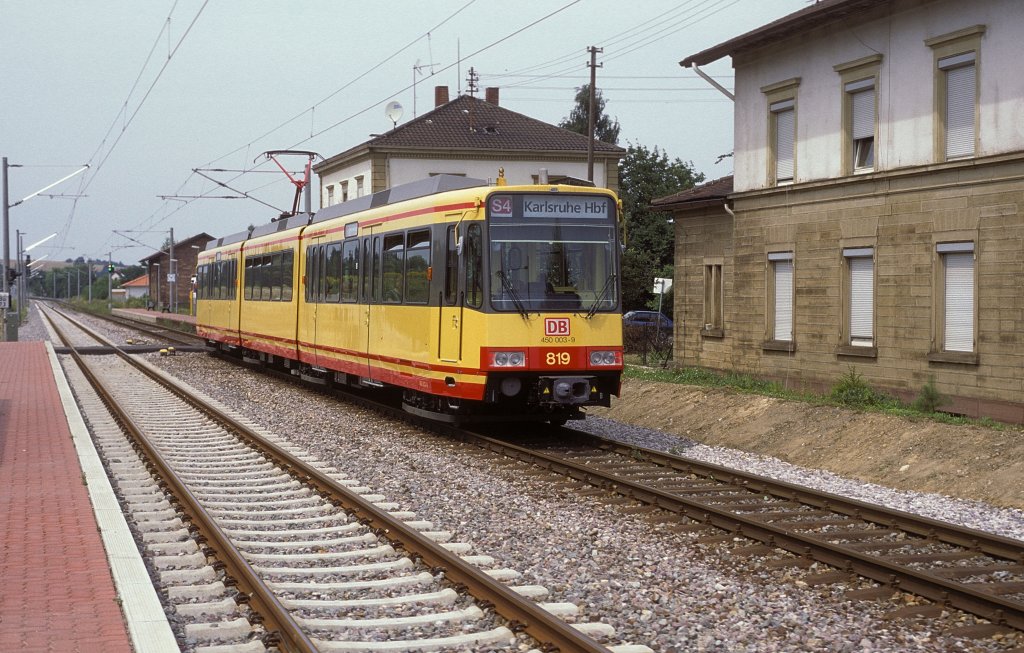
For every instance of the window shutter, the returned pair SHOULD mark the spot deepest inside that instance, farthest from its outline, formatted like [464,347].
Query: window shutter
[959,289]
[863,114]
[862,305]
[783,300]
[785,122]
[960,97]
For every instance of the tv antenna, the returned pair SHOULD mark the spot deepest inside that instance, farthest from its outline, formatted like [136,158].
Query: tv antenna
[417,69]
[394,112]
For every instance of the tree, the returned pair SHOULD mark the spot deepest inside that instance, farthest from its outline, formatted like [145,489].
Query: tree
[605,129]
[645,175]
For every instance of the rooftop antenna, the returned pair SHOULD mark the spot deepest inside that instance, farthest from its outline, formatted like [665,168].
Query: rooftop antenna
[417,69]
[394,112]
[471,80]
[299,184]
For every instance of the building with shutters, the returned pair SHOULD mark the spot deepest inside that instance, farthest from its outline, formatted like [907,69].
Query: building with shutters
[873,219]
[467,137]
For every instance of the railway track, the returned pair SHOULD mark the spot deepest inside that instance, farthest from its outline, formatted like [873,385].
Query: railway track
[951,566]
[258,547]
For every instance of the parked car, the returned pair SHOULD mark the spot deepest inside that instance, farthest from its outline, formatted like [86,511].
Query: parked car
[647,318]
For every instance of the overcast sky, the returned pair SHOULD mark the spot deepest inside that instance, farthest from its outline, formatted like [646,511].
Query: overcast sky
[147,90]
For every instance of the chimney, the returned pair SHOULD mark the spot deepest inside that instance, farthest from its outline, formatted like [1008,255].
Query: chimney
[492,95]
[440,96]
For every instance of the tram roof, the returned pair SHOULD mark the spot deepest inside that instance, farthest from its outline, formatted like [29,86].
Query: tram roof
[400,193]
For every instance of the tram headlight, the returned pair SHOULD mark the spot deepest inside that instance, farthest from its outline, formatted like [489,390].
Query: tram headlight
[604,358]
[508,359]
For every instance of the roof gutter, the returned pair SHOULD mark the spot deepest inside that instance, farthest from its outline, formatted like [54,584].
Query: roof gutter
[708,79]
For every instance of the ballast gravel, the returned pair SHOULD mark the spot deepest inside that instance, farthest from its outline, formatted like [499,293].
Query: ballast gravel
[653,585]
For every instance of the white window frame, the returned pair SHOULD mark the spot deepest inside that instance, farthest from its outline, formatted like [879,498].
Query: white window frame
[330,194]
[783,115]
[714,295]
[344,191]
[862,125]
[360,186]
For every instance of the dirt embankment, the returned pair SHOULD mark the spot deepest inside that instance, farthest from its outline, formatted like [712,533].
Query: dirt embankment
[970,462]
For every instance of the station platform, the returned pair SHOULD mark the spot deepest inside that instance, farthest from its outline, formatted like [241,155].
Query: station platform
[71,576]
[155,317]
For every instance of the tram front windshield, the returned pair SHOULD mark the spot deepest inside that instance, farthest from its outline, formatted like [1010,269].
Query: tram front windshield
[552,253]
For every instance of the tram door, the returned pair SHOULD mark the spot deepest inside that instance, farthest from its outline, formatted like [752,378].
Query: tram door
[371,292]
[450,325]
[314,288]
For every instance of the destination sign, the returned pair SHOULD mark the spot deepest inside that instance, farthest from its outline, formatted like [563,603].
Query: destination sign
[566,206]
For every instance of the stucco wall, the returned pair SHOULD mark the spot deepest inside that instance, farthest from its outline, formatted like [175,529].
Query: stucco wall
[905,87]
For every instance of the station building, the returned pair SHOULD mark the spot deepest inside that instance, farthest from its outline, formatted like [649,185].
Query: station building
[873,220]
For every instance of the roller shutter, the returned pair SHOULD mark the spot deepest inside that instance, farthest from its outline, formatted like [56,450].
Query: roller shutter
[785,123]
[959,301]
[783,300]
[960,103]
[862,301]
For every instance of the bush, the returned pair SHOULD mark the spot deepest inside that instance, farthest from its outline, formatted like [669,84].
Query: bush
[929,400]
[852,390]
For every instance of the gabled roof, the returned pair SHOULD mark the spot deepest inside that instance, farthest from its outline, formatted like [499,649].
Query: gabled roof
[198,239]
[467,123]
[799,22]
[137,282]
[713,192]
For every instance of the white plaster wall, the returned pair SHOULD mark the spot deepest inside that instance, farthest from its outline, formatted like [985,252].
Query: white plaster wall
[346,174]
[516,172]
[905,88]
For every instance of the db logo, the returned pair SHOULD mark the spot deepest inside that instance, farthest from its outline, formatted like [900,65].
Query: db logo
[556,326]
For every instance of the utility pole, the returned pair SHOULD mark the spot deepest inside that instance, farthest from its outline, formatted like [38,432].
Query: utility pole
[172,278]
[593,65]
[110,264]
[88,264]
[7,248]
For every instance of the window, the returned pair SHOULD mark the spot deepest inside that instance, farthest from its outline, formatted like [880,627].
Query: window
[780,300]
[859,84]
[330,194]
[332,273]
[268,277]
[417,267]
[451,273]
[861,128]
[859,290]
[713,295]
[783,129]
[394,259]
[956,91]
[474,266]
[958,74]
[958,298]
[350,271]
[359,186]
[344,191]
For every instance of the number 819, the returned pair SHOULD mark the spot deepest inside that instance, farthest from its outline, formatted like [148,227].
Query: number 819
[558,358]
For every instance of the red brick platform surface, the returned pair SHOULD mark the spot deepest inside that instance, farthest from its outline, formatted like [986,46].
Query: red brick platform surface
[56,591]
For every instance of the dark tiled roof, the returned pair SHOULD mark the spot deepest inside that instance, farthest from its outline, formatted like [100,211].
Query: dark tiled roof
[468,123]
[799,22]
[713,190]
[199,239]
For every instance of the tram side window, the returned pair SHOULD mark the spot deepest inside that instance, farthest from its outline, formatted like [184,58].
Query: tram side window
[287,279]
[367,271]
[375,288]
[474,266]
[332,272]
[222,281]
[451,268]
[350,271]
[275,277]
[417,266]
[394,260]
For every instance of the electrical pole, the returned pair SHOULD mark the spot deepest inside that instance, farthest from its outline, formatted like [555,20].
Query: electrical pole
[593,65]
[7,249]
[172,279]
[110,264]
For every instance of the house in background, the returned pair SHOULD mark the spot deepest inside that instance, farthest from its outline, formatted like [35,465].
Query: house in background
[137,288]
[159,266]
[467,137]
[873,221]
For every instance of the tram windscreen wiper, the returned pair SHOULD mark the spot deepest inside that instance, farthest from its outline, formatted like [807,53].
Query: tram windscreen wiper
[510,289]
[600,298]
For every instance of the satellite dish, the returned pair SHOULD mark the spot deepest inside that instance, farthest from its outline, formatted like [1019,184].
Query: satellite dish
[394,112]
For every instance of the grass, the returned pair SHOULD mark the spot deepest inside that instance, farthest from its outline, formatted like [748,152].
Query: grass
[850,391]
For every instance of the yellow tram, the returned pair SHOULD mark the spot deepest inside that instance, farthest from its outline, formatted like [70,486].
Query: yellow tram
[479,302]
